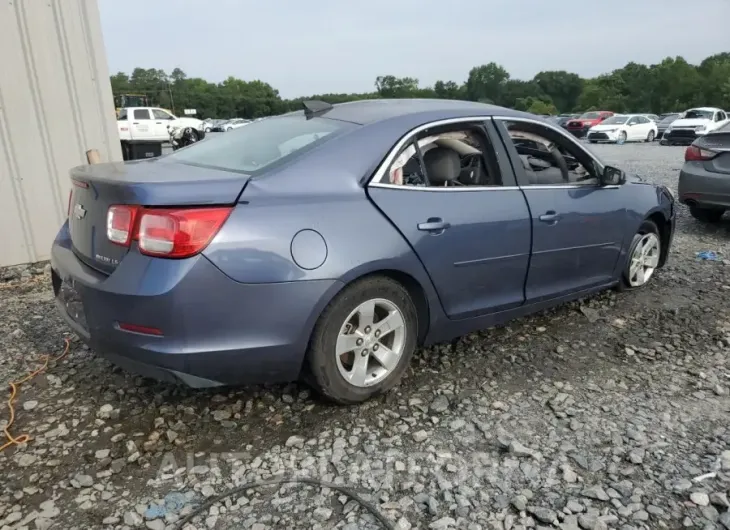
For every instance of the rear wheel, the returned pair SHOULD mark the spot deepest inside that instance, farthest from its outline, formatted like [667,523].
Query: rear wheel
[644,255]
[650,138]
[363,341]
[706,215]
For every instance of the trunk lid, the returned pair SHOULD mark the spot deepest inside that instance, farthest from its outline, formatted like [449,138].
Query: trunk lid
[145,182]
[719,143]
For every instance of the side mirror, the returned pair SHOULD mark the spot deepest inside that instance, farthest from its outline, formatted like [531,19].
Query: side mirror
[612,176]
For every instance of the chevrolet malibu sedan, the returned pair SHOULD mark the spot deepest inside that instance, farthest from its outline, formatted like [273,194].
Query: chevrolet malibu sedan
[330,243]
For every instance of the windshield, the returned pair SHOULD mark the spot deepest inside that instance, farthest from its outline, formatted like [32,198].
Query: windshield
[697,114]
[670,118]
[253,148]
[615,120]
[590,115]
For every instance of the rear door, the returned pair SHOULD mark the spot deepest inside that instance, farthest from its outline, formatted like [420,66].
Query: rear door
[473,237]
[141,124]
[578,225]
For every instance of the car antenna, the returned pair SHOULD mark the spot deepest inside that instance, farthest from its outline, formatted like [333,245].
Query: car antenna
[315,107]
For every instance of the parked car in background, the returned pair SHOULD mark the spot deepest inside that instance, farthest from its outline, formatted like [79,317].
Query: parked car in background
[563,119]
[622,128]
[704,180]
[234,124]
[695,123]
[579,126]
[665,122]
[150,124]
[301,243]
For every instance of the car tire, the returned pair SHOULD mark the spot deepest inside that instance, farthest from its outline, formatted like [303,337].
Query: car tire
[650,137]
[350,377]
[706,215]
[640,260]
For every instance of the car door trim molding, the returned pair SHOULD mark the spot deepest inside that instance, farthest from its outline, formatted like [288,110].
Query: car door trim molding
[442,188]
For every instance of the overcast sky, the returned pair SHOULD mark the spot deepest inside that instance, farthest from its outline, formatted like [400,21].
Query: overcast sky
[304,47]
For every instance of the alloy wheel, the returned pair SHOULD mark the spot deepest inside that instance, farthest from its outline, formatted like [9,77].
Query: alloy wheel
[644,259]
[371,342]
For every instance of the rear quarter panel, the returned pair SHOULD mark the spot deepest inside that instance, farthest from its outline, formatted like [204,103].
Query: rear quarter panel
[323,192]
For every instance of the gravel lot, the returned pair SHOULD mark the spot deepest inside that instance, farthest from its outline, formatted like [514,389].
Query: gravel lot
[608,413]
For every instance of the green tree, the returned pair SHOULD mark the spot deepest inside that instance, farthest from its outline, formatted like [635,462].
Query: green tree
[563,88]
[487,83]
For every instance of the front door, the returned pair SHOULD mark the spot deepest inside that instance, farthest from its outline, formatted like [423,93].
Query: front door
[470,229]
[161,120]
[577,223]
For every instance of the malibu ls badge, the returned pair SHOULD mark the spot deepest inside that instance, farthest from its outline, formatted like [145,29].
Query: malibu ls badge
[79,212]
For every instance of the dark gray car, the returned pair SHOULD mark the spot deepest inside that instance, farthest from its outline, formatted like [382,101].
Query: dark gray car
[664,122]
[704,181]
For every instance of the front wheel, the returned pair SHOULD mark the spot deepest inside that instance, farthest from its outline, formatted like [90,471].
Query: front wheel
[706,215]
[363,341]
[644,255]
[650,138]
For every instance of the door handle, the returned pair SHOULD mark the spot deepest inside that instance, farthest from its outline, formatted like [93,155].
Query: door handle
[549,217]
[135,123]
[158,122]
[434,224]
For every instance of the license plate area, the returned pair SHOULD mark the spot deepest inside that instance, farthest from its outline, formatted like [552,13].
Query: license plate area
[71,300]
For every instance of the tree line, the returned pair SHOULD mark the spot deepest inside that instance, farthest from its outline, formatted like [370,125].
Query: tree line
[671,85]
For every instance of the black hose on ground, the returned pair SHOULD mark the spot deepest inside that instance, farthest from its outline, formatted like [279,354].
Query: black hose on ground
[310,481]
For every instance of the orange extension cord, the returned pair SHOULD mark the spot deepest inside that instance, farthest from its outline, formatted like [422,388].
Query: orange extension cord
[23,438]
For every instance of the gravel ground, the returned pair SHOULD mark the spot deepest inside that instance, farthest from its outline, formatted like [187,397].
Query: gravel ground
[608,413]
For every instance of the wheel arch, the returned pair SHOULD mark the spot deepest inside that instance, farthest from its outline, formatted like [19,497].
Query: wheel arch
[665,230]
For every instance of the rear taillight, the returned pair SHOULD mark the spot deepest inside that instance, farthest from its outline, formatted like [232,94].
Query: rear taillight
[695,153]
[169,233]
[120,224]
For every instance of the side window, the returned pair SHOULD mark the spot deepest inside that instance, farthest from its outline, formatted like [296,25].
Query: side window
[446,157]
[633,121]
[141,114]
[122,114]
[644,120]
[549,158]
[161,115]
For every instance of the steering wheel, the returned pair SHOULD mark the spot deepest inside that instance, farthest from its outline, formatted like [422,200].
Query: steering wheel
[471,163]
[560,161]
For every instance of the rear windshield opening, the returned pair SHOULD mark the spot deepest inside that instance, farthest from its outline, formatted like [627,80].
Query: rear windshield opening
[262,144]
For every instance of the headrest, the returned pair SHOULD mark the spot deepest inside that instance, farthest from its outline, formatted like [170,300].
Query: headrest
[442,165]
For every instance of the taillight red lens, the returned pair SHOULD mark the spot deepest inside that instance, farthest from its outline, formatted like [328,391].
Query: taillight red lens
[694,153]
[165,232]
[179,233]
[120,224]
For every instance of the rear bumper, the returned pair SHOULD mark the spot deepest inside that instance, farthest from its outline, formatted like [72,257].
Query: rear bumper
[700,187]
[216,331]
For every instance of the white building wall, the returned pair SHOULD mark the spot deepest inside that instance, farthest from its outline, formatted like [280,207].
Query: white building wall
[55,104]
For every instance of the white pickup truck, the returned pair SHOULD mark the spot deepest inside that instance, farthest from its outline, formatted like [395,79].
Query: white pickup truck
[693,124]
[150,124]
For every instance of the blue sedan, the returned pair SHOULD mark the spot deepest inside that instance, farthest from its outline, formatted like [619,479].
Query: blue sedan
[331,242]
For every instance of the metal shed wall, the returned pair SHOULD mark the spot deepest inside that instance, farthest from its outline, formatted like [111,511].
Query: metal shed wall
[55,104]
